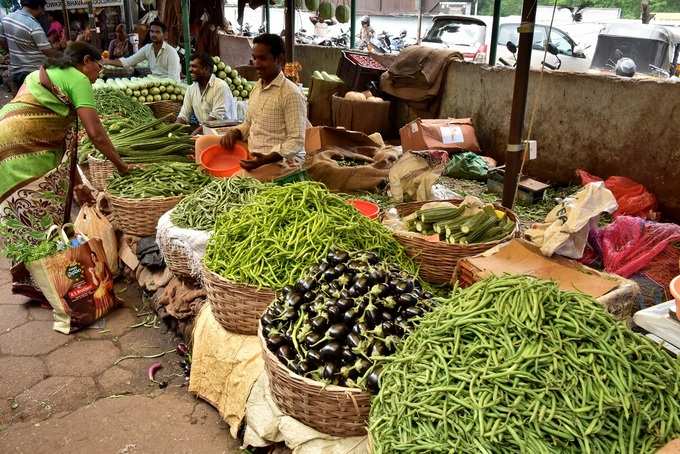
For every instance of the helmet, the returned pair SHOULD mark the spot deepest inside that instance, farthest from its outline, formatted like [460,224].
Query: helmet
[365,20]
[625,67]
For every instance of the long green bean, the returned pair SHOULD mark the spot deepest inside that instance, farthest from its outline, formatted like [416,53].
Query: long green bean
[514,364]
[158,180]
[284,230]
[200,210]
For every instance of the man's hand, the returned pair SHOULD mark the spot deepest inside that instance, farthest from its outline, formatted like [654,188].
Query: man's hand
[229,139]
[260,160]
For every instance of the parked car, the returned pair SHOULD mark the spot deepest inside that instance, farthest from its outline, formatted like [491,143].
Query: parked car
[471,36]
[652,48]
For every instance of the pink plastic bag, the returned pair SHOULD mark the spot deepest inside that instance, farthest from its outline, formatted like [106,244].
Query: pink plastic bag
[633,198]
[629,244]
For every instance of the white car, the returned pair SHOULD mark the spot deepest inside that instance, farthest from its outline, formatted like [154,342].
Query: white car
[471,36]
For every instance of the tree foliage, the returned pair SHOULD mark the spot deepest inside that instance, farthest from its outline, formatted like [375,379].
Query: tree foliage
[630,9]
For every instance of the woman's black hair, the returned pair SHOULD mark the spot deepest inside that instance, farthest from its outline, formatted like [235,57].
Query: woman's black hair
[205,59]
[74,55]
[274,42]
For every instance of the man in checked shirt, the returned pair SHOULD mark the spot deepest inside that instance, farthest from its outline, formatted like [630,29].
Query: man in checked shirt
[277,111]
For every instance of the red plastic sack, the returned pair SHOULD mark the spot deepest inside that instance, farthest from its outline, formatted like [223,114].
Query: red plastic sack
[630,243]
[633,198]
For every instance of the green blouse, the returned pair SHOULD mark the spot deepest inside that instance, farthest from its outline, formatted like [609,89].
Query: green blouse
[72,83]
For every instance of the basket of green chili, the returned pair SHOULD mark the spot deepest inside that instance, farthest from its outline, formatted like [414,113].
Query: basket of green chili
[140,197]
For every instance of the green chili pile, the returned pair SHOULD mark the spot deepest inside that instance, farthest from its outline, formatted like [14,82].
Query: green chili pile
[200,210]
[158,180]
[513,364]
[284,230]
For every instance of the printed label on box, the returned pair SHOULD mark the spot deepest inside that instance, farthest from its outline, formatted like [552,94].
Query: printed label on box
[414,127]
[451,134]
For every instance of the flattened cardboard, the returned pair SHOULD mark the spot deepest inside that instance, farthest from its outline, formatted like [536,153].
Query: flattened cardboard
[520,257]
[321,137]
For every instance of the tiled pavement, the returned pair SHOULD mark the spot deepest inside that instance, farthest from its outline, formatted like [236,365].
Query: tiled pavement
[63,394]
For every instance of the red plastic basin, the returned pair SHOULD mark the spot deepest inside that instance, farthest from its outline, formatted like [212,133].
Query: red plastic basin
[221,162]
[368,209]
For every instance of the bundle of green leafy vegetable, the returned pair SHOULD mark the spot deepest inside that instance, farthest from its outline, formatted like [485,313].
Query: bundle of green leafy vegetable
[24,243]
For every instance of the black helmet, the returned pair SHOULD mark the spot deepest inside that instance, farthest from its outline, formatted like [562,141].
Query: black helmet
[365,20]
[625,67]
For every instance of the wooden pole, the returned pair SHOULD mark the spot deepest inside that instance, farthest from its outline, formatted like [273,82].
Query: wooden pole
[67,22]
[290,29]
[352,23]
[515,151]
[267,17]
[186,35]
[421,5]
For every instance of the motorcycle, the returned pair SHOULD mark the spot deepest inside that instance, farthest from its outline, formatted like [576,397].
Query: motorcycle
[512,47]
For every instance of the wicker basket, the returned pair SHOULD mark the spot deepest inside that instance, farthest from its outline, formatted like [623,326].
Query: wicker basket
[437,260]
[237,307]
[162,109]
[100,172]
[139,217]
[176,259]
[333,410]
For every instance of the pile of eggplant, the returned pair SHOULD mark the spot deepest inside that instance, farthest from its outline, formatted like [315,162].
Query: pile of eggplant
[336,322]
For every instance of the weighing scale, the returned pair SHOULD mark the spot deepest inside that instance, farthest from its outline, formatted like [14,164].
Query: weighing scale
[661,325]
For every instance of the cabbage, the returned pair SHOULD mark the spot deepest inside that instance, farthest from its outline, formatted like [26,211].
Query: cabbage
[165,96]
[157,98]
[222,75]
[149,98]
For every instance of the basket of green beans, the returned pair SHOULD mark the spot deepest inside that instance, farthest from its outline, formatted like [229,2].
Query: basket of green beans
[141,197]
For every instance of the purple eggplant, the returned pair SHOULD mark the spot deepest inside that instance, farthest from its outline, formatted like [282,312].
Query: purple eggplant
[330,351]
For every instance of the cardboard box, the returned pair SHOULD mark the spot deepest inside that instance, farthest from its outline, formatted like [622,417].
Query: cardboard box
[321,137]
[449,134]
[364,116]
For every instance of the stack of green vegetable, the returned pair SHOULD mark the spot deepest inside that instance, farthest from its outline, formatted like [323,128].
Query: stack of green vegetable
[284,230]
[158,180]
[146,142]
[26,242]
[146,89]
[239,86]
[462,224]
[341,317]
[114,103]
[200,210]
[323,75]
[514,364]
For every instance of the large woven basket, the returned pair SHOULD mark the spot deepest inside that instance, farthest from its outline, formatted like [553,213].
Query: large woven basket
[237,307]
[176,259]
[163,109]
[437,260]
[333,410]
[100,172]
[139,217]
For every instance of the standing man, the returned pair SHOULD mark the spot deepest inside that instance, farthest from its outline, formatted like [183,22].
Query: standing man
[208,98]
[162,57]
[277,111]
[366,33]
[24,37]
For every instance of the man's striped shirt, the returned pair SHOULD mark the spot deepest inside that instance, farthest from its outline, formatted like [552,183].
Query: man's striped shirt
[25,40]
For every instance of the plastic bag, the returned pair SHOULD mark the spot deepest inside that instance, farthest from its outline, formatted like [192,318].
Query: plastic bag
[93,224]
[633,198]
[412,176]
[77,283]
[630,243]
[469,166]
[566,227]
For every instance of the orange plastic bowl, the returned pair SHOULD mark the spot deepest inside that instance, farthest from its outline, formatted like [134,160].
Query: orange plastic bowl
[221,162]
[368,209]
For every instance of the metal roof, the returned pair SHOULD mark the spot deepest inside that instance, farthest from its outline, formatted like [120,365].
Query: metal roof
[641,31]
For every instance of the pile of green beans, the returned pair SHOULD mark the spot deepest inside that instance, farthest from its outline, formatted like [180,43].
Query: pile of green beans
[514,364]
[284,230]
[158,180]
[110,102]
[200,210]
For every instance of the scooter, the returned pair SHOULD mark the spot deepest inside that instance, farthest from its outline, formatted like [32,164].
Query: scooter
[399,42]
[512,47]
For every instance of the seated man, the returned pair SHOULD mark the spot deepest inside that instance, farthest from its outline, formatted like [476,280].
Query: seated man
[277,111]
[162,57]
[208,98]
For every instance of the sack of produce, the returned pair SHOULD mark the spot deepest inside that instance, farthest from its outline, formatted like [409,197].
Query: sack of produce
[321,90]
[269,242]
[93,224]
[412,177]
[467,166]
[437,234]
[183,233]
[76,281]
[325,337]
[514,364]
[139,198]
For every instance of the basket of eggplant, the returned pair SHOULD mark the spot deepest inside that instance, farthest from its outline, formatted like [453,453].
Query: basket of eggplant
[323,338]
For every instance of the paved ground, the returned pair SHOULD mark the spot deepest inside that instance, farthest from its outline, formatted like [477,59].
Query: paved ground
[63,394]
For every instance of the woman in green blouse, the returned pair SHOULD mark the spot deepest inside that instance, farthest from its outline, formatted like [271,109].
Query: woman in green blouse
[40,124]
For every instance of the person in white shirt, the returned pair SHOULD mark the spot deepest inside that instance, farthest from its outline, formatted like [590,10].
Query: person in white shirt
[163,58]
[208,98]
